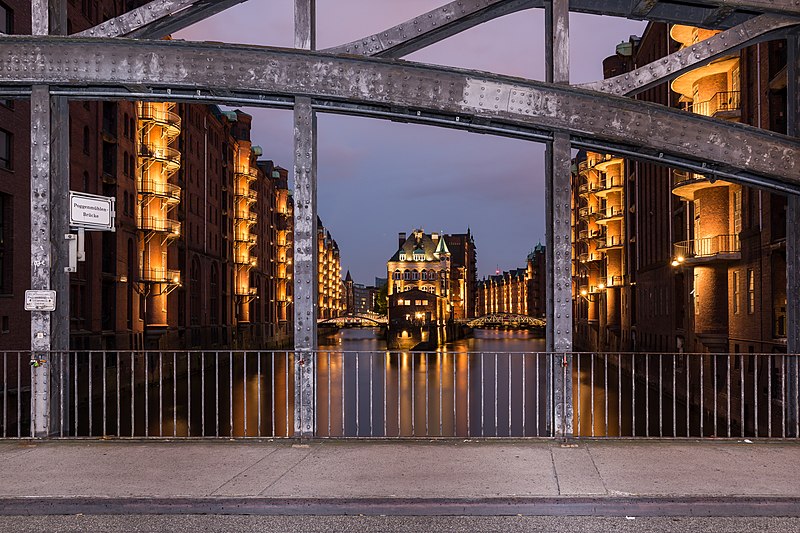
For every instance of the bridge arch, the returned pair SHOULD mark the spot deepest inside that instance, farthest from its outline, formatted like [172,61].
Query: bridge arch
[169,70]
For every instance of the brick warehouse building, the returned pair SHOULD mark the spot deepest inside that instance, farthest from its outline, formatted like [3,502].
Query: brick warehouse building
[703,262]
[520,291]
[202,252]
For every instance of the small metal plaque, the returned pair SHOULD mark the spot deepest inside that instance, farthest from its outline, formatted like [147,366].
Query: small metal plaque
[40,300]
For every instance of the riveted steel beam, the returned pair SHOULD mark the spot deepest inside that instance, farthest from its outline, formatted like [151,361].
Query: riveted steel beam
[649,129]
[558,235]
[431,27]
[158,18]
[306,254]
[457,16]
[670,67]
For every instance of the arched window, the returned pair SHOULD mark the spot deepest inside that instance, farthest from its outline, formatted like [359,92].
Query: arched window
[396,275]
[406,275]
[414,275]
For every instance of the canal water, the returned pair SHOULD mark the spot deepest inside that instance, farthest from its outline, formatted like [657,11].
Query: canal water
[494,384]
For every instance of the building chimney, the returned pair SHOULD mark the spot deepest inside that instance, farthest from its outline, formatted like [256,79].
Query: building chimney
[402,239]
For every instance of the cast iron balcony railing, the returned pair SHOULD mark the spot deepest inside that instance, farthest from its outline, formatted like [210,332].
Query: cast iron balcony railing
[161,189]
[247,193]
[168,120]
[722,247]
[610,212]
[160,275]
[615,281]
[612,241]
[611,184]
[251,172]
[160,225]
[724,102]
[162,154]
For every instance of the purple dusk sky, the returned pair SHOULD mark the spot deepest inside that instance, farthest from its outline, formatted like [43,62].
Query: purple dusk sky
[379,178]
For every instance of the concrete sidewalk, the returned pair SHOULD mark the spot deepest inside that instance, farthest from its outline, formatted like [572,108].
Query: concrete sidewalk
[447,470]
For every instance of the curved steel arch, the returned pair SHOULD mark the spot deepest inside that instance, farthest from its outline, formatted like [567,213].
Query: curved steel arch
[734,149]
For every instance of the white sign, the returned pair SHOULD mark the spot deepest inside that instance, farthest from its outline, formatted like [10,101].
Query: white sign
[91,211]
[40,300]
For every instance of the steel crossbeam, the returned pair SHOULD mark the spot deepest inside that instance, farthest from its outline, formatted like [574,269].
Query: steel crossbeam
[755,156]
[158,18]
[750,32]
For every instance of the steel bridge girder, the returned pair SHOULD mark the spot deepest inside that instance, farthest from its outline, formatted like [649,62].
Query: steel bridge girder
[639,126]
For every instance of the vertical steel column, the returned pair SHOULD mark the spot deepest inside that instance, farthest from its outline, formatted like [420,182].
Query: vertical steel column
[40,234]
[559,246]
[59,226]
[793,243]
[305,238]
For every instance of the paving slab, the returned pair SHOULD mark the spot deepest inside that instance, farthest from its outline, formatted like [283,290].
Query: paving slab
[428,470]
[576,471]
[704,468]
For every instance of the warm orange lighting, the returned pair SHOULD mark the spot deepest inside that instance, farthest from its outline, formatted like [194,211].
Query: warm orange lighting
[601,286]
[584,292]
[680,259]
[675,262]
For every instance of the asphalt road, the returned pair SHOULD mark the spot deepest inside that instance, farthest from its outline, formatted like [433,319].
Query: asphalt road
[369,524]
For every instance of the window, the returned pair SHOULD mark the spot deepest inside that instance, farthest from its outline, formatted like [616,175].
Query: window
[6,20]
[736,307]
[396,275]
[751,291]
[86,142]
[5,150]
[5,244]
[415,275]
[402,256]
[696,293]
[406,275]
[737,211]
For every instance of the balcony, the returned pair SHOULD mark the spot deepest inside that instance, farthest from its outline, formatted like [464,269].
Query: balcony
[708,249]
[159,225]
[724,104]
[588,257]
[161,189]
[610,185]
[685,184]
[615,281]
[588,188]
[169,157]
[161,275]
[158,114]
[586,212]
[248,238]
[248,194]
[610,213]
[249,172]
[611,242]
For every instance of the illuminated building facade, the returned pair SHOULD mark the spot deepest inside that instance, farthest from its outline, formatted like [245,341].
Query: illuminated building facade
[202,252]
[330,293]
[703,261]
[520,291]
[422,262]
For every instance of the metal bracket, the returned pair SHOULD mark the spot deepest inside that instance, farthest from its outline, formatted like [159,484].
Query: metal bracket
[76,249]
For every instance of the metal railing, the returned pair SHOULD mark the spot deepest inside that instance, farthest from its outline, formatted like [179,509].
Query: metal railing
[722,101]
[708,246]
[686,395]
[389,394]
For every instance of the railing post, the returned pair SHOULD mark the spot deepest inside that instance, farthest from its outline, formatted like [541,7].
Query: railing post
[305,238]
[559,245]
[793,245]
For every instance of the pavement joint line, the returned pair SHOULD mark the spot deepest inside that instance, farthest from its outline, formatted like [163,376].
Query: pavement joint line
[555,471]
[599,476]
[305,456]
[677,506]
[244,470]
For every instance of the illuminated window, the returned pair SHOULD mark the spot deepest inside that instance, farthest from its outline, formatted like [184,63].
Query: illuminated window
[737,211]
[406,275]
[751,291]
[414,275]
[696,292]
[402,256]
[736,307]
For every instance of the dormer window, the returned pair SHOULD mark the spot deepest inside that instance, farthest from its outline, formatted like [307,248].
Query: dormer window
[419,257]
[402,256]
